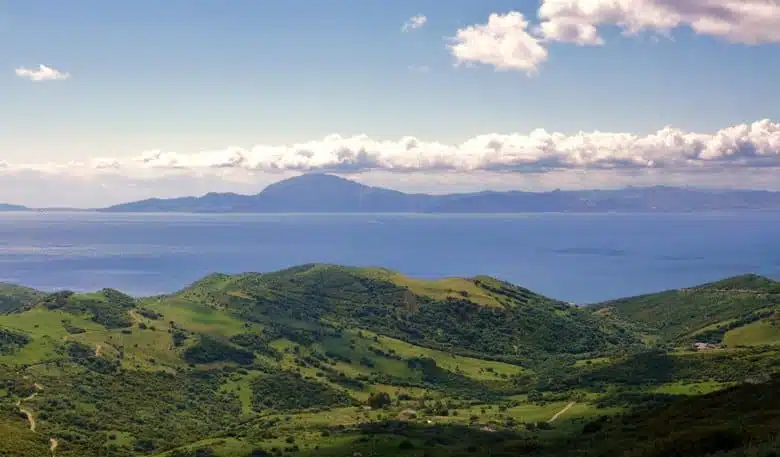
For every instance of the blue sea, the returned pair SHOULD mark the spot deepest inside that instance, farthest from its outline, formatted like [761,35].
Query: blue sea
[574,257]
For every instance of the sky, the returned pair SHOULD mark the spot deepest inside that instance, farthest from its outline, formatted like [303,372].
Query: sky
[104,102]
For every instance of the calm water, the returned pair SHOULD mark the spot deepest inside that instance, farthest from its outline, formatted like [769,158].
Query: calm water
[580,258]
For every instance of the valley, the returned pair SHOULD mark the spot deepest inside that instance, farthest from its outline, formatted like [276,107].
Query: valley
[327,360]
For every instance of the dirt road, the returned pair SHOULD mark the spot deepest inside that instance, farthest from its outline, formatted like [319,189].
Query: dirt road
[559,413]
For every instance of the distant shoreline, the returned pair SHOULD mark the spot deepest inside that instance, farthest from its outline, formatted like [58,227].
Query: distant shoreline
[330,194]
[393,213]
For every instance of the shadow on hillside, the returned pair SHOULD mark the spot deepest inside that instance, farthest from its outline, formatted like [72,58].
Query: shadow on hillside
[396,438]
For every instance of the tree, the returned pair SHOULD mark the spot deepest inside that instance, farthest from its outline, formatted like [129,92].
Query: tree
[379,400]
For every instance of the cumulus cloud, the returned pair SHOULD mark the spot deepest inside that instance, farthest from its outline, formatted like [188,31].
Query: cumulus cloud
[745,155]
[42,73]
[415,22]
[510,42]
[738,21]
[755,145]
[503,42]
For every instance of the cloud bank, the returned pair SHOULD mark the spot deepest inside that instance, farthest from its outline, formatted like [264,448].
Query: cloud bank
[510,42]
[755,145]
[42,73]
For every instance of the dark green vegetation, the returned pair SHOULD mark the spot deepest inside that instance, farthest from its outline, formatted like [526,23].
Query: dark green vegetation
[14,298]
[333,361]
[707,311]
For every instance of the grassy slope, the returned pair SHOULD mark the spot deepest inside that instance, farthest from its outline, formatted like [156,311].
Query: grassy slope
[764,331]
[125,382]
[739,420]
[110,331]
[16,439]
[486,316]
[688,314]
[14,298]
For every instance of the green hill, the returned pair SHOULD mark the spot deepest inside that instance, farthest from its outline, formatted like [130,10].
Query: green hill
[703,313]
[14,297]
[479,316]
[331,360]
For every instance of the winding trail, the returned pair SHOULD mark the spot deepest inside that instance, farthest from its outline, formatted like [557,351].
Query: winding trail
[27,412]
[559,413]
[31,419]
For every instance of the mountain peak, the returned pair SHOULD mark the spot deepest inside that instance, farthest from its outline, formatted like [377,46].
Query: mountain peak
[313,181]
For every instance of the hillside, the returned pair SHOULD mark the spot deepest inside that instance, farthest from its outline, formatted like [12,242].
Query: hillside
[9,207]
[480,315]
[13,297]
[738,421]
[704,313]
[323,193]
[331,360]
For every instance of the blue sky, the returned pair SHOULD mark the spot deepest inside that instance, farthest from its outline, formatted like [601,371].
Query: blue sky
[183,77]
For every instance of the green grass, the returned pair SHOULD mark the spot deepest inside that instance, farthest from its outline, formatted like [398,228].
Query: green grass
[46,328]
[241,386]
[439,289]
[197,317]
[676,313]
[43,322]
[471,367]
[689,388]
[143,349]
[757,333]
[119,438]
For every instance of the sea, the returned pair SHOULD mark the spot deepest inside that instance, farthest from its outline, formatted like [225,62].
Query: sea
[579,258]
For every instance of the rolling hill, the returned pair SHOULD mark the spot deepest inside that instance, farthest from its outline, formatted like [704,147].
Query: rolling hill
[331,360]
[703,313]
[14,297]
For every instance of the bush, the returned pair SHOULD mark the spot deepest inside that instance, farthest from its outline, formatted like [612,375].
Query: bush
[378,400]
[406,444]
[210,350]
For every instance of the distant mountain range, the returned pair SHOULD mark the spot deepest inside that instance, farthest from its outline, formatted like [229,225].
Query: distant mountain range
[7,207]
[324,193]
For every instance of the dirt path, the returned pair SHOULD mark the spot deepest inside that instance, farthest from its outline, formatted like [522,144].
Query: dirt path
[27,412]
[559,413]
[30,418]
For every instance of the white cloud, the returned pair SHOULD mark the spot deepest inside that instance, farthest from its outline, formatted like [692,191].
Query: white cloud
[415,22]
[737,21]
[503,42]
[755,145]
[419,68]
[42,73]
[744,155]
[509,42]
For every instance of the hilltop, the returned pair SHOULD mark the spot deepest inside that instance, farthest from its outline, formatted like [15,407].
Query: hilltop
[706,313]
[9,207]
[324,193]
[331,360]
